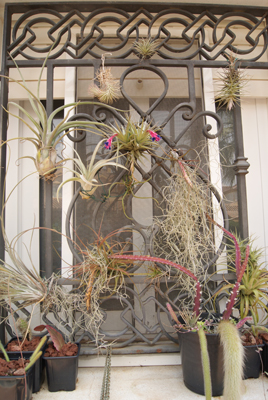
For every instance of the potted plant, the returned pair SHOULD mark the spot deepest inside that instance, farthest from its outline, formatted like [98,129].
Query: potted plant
[251,301]
[229,358]
[26,346]
[61,361]
[16,376]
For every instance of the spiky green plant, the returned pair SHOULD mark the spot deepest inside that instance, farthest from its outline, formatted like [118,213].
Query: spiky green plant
[233,81]
[253,291]
[145,47]
[133,139]
[86,175]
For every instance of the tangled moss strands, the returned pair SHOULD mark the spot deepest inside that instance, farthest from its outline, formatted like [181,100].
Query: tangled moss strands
[183,232]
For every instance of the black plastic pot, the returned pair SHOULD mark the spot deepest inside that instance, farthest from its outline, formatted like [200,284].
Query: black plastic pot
[265,357]
[253,361]
[192,364]
[38,368]
[13,387]
[62,372]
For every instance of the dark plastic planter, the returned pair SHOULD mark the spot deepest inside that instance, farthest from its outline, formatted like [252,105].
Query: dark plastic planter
[62,372]
[38,368]
[265,357]
[13,387]
[253,363]
[192,364]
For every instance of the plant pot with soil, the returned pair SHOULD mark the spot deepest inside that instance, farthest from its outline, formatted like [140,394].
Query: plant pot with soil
[253,345]
[61,361]
[227,330]
[15,347]
[16,376]
[192,363]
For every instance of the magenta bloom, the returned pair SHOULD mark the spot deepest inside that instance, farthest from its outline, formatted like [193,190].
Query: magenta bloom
[154,136]
[108,143]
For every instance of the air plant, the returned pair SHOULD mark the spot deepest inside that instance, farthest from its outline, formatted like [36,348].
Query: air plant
[86,174]
[45,136]
[19,283]
[145,47]
[253,291]
[183,233]
[233,81]
[108,88]
[133,140]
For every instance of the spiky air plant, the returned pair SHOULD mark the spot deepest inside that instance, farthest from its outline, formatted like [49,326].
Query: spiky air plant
[108,88]
[133,140]
[45,137]
[145,47]
[253,291]
[19,283]
[233,81]
[86,174]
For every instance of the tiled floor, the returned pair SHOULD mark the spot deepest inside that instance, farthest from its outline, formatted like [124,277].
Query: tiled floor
[143,383]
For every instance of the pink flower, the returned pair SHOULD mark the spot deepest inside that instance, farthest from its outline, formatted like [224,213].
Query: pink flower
[108,143]
[154,136]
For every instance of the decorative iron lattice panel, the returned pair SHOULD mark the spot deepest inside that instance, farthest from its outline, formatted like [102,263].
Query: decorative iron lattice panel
[216,34]
[187,37]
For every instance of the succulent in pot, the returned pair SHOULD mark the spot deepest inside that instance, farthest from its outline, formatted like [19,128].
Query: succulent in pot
[61,361]
[16,380]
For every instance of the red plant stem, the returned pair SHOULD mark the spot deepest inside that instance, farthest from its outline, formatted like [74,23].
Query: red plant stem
[228,311]
[237,248]
[167,262]
[184,173]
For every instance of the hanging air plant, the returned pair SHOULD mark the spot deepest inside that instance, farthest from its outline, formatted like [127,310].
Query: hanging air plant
[233,81]
[133,139]
[145,48]
[108,88]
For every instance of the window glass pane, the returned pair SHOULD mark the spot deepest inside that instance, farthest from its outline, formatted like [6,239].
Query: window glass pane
[227,157]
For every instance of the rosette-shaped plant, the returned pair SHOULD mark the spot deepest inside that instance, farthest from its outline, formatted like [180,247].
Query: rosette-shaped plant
[133,140]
